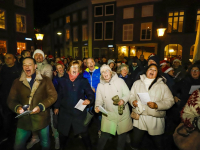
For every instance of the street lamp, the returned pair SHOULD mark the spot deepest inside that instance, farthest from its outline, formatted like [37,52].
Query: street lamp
[161,32]
[59,33]
[39,36]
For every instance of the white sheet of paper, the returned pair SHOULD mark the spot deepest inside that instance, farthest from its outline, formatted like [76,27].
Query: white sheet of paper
[103,110]
[80,105]
[23,114]
[194,88]
[144,97]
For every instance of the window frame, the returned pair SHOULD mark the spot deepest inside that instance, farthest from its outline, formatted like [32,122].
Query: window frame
[83,32]
[76,17]
[105,30]
[16,23]
[113,10]
[6,44]
[146,29]
[74,34]
[175,31]
[24,6]
[95,30]
[67,40]
[85,47]
[152,11]
[4,20]
[123,32]
[95,11]
[128,8]
[86,13]
[67,19]
[74,51]
[22,42]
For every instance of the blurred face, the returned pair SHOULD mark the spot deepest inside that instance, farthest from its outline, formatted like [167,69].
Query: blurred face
[171,73]
[104,59]
[134,64]
[27,54]
[58,59]
[10,60]
[38,57]
[111,65]
[176,64]
[124,71]
[65,61]
[119,64]
[195,72]
[142,57]
[90,64]
[85,62]
[29,67]
[152,72]
[60,69]
[74,70]
[106,75]
[96,60]
[163,66]
[151,62]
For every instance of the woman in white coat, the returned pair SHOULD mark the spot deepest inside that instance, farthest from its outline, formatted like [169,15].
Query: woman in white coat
[111,85]
[150,117]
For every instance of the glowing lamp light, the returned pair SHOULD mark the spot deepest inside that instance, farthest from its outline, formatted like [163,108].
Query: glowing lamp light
[161,31]
[165,58]
[59,33]
[39,36]
[171,50]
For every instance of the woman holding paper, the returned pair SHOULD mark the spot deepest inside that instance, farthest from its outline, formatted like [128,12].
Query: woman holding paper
[72,88]
[113,94]
[149,117]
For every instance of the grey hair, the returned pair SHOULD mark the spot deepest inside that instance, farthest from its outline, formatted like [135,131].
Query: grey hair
[119,69]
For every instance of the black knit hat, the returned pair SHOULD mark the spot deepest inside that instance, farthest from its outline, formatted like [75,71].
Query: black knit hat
[134,59]
[155,58]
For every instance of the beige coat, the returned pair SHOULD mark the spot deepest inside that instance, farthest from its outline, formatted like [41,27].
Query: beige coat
[45,69]
[113,121]
[151,120]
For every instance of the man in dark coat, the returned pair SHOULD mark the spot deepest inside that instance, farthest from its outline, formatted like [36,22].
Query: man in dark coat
[10,71]
[72,88]
[134,68]
[38,92]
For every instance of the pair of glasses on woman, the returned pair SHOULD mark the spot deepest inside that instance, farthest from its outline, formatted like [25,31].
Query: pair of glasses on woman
[195,70]
[106,71]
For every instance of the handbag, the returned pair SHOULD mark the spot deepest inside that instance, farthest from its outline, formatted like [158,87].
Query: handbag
[89,116]
[186,138]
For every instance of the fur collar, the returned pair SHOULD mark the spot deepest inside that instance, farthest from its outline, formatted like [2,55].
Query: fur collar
[23,76]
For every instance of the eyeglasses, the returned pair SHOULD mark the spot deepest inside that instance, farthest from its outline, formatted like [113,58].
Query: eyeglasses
[75,67]
[195,70]
[106,71]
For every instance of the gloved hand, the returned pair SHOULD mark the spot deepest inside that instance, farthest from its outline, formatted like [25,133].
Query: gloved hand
[120,107]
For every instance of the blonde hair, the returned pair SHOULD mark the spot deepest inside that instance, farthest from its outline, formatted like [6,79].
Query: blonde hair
[74,62]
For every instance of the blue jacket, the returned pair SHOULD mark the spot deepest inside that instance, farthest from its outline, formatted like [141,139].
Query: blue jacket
[94,79]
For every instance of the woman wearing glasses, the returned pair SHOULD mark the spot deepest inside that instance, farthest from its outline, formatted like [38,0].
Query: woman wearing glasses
[72,88]
[118,119]
[182,88]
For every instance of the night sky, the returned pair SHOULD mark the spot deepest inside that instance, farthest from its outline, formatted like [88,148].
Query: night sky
[43,8]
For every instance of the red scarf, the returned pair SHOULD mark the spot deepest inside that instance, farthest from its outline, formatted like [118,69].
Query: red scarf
[71,77]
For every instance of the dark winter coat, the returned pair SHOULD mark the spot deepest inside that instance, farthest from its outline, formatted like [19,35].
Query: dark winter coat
[68,96]
[128,80]
[42,92]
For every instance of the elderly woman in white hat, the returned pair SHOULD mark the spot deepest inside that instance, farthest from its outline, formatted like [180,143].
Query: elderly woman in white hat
[116,121]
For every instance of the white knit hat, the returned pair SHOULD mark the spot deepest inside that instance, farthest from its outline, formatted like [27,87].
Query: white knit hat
[38,51]
[110,61]
[105,67]
[176,60]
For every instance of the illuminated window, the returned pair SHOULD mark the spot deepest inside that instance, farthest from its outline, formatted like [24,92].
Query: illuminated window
[109,10]
[20,23]
[146,31]
[128,13]
[173,50]
[84,32]
[68,19]
[147,11]
[198,18]
[67,35]
[75,52]
[3,47]
[75,17]
[2,19]
[20,47]
[84,14]
[175,21]
[128,32]
[85,52]
[98,30]
[109,30]
[98,11]
[20,3]
[75,34]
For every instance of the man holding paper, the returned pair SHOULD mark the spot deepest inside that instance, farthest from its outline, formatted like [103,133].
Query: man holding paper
[150,98]
[38,92]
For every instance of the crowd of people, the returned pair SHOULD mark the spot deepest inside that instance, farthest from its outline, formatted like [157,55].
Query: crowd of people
[128,98]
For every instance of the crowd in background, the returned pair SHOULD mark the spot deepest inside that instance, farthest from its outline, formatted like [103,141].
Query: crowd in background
[113,84]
